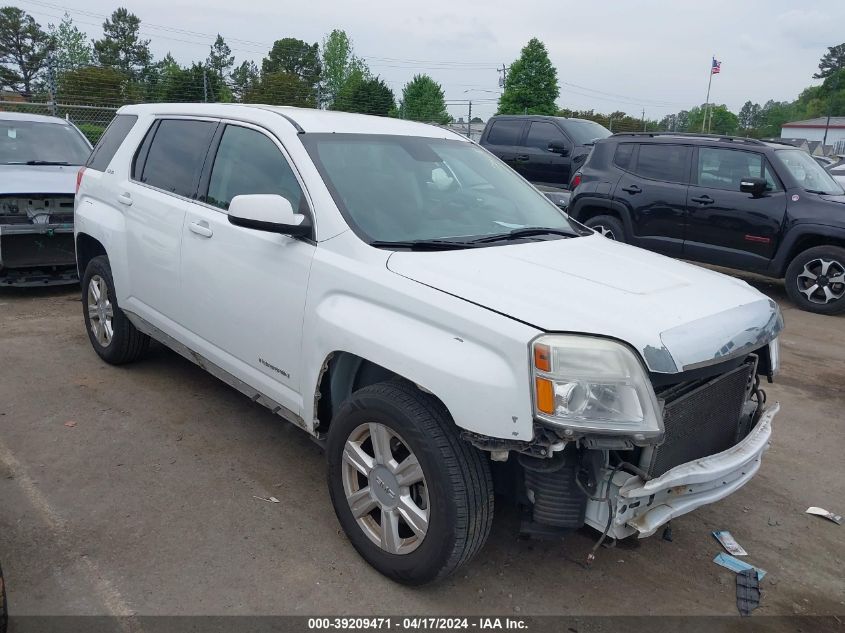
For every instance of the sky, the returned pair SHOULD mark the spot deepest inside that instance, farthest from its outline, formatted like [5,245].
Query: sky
[649,55]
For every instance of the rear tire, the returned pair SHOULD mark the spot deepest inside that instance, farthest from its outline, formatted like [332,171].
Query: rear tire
[111,333]
[608,226]
[815,280]
[448,498]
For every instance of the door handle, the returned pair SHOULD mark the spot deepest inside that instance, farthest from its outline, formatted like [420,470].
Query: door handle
[200,229]
[705,199]
[125,198]
[522,158]
[632,189]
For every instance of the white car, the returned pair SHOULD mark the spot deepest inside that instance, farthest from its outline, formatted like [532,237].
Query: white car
[406,298]
[39,160]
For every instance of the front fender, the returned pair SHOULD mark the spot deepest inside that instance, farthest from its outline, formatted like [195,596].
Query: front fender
[781,260]
[108,226]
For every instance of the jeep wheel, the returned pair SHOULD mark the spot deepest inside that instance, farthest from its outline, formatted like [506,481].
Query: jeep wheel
[815,280]
[415,500]
[112,335]
[608,226]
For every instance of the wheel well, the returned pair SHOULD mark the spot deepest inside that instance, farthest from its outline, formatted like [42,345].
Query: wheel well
[591,212]
[343,374]
[87,248]
[808,241]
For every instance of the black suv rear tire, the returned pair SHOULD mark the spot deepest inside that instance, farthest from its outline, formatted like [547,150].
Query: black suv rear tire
[814,280]
[608,226]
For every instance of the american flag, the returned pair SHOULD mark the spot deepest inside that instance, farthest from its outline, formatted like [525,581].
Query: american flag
[716,67]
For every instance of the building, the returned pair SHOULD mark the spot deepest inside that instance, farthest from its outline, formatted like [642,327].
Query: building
[813,130]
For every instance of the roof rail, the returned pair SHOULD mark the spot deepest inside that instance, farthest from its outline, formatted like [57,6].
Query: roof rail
[719,137]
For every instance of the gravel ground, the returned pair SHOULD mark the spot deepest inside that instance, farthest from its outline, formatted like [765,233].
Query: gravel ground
[132,490]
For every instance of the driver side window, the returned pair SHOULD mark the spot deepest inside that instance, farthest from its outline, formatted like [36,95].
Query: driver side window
[248,162]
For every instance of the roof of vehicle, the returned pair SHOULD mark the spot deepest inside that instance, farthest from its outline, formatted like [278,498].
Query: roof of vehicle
[536,116]
[699,139]
[304,119]
[26,116]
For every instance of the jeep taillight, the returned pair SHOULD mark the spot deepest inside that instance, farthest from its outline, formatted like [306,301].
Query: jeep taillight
[79,178]
[576,181]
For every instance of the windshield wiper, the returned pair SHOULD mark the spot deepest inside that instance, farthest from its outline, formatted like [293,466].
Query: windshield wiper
[423,245]
[525,231]
[45,162]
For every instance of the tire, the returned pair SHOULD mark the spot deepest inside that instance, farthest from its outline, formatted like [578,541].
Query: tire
[608,226]
[455,493]
[822,268]
[4,607]
[125,343]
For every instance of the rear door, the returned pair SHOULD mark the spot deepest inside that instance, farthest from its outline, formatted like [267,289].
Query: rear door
[164,178]
[654,193]
[724,225]
[246,288]
[504,138]
[537,163]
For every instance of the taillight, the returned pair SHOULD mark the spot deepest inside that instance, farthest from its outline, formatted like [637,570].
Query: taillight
[79,178]
[576,181]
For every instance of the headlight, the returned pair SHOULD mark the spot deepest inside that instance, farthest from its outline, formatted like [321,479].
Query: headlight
[589,385]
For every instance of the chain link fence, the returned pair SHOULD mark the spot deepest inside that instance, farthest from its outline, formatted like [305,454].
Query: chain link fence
[91,120]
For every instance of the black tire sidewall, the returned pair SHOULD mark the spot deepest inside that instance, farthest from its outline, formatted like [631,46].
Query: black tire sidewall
[610,222]
[424,563]
[100,266]
[797,265]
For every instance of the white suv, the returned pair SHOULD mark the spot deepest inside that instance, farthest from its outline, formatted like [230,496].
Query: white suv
[406,298]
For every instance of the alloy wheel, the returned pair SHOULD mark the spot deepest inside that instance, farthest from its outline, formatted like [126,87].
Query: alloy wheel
[100,310]
[385,487]
[822,280]
[607,232]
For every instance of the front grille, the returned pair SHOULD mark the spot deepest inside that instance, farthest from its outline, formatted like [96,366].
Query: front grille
[702,420]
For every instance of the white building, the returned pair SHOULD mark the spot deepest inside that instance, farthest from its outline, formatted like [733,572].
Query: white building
[813,130]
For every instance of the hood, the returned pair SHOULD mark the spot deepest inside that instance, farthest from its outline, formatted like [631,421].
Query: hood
[17,179]
[679,316]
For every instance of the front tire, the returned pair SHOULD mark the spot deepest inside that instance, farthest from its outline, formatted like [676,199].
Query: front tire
[815,280]
[608,226]
[111,333]
[415,500]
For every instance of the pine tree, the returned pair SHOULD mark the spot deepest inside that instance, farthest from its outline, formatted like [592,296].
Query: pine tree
[531,86]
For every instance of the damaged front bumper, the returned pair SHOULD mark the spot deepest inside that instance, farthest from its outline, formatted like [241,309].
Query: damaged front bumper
[37,254]
[641,507]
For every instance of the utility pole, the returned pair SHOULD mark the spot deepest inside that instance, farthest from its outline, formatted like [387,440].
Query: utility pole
[503,80]
[204,86]
[51,82]
[644,120]
[469,121]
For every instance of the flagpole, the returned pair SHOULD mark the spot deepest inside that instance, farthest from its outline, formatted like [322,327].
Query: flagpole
[707,103]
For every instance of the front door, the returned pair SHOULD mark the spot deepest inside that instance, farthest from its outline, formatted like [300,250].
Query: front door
[542,165]
[245,289]
[724,225]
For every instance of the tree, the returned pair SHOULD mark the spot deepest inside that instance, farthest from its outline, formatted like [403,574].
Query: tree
[281,88]
[294,57]
[244,80]
[423,100]
[339,65]
[121,46]
[531,86]
[24,50]
[220,58]
[831,61]
[92,85]
[749,116]
[70,45]
[720,120]
[367,95]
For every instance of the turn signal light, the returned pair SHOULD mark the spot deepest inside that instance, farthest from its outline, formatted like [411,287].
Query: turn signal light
[542,357]
[545,395]
[79,178]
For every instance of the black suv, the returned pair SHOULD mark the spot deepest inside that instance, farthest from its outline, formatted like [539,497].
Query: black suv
[737,202]
[545,150]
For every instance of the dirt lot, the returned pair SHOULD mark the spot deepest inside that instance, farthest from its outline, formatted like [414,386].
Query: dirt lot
[145,505]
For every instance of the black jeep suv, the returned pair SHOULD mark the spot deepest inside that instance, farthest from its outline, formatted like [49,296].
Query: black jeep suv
[545,150]
[736,202]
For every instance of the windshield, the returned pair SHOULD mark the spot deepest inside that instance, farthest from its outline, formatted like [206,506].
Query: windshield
[23,142]
[584,132]
[405,188]
[808,173]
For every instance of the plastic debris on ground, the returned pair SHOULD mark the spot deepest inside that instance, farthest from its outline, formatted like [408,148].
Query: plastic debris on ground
[736,565]
[729,543]
[827,514]
[747,591]
[267,499]
[72,423]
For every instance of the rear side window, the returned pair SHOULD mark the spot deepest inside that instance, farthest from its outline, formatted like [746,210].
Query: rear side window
[541,133]
[505,132]
[110,140]
[624,154]
[249,162]
[663,162]
[176,155]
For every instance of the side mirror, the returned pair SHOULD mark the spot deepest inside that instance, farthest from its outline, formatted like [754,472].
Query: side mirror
[755,186]
[267,212]
[558,148]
